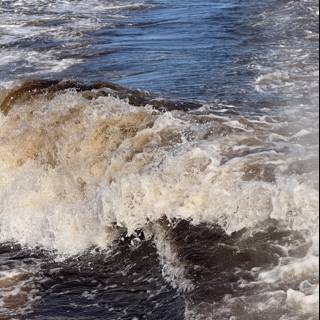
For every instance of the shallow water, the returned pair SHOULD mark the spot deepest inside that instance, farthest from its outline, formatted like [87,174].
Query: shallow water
[123,204]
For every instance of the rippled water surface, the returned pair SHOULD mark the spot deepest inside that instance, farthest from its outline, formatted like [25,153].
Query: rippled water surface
[159,160]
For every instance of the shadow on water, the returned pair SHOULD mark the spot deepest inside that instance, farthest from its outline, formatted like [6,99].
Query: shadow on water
[124,284]
[128,282]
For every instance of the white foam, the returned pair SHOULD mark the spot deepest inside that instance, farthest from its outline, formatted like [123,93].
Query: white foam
[173,270]
[305,304]
[72,169]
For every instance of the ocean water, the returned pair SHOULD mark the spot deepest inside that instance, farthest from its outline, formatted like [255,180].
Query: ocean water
[159,160]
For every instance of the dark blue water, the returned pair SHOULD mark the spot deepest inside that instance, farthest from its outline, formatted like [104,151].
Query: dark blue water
[183,49]
[203,50]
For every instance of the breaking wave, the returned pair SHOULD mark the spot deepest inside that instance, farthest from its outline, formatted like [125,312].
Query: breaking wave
[75,165]
[82,168]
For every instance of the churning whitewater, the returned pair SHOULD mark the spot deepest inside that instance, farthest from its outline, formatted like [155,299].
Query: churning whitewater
[72,168]
[117,203]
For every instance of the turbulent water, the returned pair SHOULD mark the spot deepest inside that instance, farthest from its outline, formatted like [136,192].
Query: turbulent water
[194,195]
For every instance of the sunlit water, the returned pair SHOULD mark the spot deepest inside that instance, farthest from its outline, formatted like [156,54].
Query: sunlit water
[116,204]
